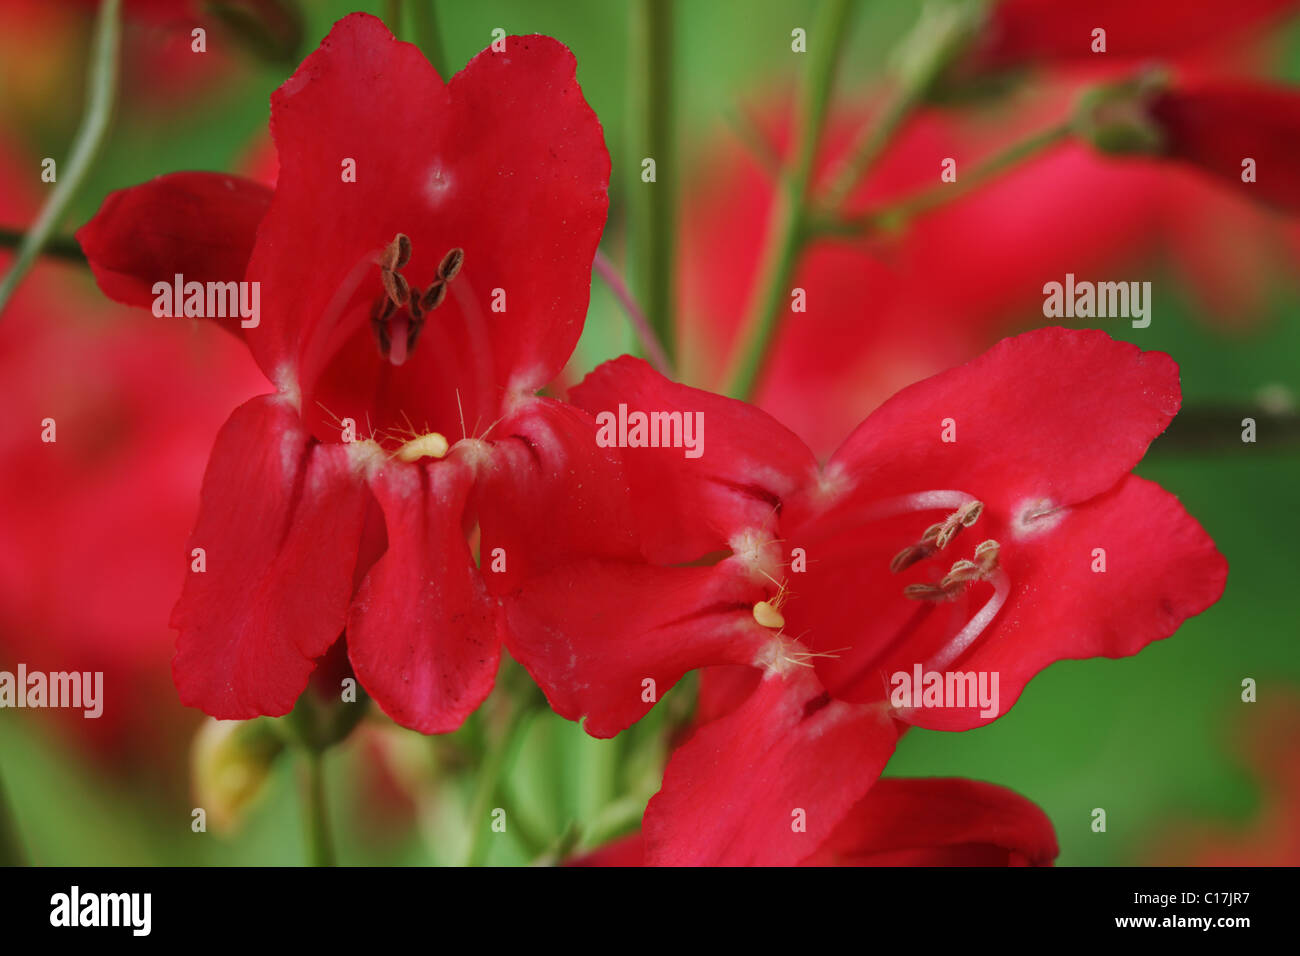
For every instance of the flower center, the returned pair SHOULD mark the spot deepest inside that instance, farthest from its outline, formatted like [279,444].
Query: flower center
[399,313]
[963,573]
[964,511]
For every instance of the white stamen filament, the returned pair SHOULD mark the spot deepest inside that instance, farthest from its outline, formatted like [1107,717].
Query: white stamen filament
[902,505]
[977,624]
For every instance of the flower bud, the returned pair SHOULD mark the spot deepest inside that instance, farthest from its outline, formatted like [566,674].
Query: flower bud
[1117,119]
[230,762]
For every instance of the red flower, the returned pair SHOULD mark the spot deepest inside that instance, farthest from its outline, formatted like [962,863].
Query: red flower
[917,822]
[429,295]
[879,315]
[1223,127]
[94,519]
[1068,556]
[1021,32]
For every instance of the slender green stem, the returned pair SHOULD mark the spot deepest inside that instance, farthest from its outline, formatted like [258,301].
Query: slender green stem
[1214,429]
[11,847]
[654,352]
[488,782]
[393,16]
[872,142]
[754,140]
[320,845]
[654,136]
[788,231]
[57,247]
[939,35]
[101,91]
[898,214]
[427,38]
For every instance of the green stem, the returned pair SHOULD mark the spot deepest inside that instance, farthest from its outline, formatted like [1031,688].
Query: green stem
[57,247]
[11,847]
[320,846]
[654,352]
[101,91]
[654,136]
[863,155]
[1215,429]
[393,16]
[898,214]
[788,232]
[427,38]
[939,35]
[489,782]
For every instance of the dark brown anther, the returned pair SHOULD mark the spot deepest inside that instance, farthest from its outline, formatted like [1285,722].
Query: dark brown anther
[413,334]
[414,305]
[396,254]
[909,556]
[379,314]
[396,287]
[434,296]
[451,264]
[382,309]
[926,592]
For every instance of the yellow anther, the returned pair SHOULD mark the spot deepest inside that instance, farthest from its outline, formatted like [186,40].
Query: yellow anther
[430,445]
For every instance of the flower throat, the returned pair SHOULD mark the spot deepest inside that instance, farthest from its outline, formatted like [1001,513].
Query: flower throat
[399,313]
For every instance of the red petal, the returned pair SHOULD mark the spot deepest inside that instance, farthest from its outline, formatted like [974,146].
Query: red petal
[199,225]
[1026,31]
[592,632]
[628,851]
[422,632]
[723,689]
[507,162]
[940,822]
[280,522]
[1217,127]
[1161,568]
[1019,411]
[731,793]
[547,494]
[689,507]
[935,822]
[587,616]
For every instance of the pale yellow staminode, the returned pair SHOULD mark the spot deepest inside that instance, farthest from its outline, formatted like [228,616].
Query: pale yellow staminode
[428,445]
[767,614]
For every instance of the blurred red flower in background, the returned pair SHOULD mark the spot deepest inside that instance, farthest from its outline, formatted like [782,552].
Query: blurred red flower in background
[1022,33]
[1268,738]
[96,521]
[883,311]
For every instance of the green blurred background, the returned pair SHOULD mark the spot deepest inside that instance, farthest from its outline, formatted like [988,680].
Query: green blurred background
[1152,739]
